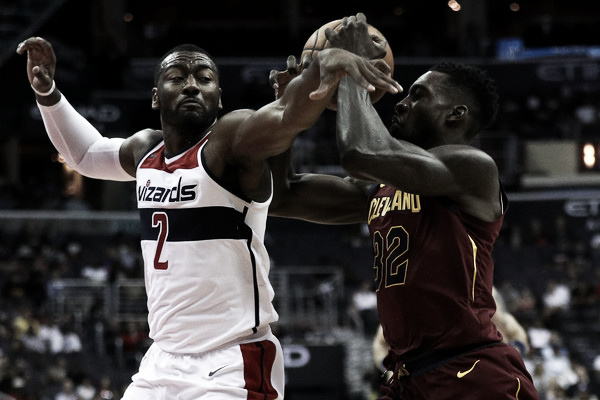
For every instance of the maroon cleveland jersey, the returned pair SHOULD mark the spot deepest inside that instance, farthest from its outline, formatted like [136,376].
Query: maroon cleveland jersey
[434,272]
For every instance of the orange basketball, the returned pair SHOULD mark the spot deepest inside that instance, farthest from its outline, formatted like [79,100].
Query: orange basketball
[318,41]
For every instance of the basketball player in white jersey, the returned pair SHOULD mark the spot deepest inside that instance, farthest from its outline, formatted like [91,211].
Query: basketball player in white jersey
[203,190]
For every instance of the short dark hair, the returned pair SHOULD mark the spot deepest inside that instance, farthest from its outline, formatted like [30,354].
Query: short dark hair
[181,47]
[476,85]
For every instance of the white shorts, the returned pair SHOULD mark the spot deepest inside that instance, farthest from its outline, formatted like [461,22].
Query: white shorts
[246,371]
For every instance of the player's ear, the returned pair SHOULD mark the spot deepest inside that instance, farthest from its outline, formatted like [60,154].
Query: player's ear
[220,102]
[155,104]
[459,112]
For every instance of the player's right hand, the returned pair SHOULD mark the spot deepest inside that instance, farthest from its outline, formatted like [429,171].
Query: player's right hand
[353,35]
[41,62]
[335,63]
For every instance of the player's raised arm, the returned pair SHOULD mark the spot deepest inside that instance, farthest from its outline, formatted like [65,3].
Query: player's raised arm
[76,139]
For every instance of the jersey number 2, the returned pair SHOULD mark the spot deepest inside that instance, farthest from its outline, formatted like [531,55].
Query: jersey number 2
[160,221]
[391,260]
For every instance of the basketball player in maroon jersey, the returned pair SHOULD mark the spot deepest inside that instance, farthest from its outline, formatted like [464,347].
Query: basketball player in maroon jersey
[434,206]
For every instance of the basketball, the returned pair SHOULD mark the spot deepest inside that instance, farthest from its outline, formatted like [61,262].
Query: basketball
[318,41]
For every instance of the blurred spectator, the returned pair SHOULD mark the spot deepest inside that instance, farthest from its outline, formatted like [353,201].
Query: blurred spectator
[57,371]
[133,339]
[557,296]
[85,390]
[526,302]
[364,308]
[18,380]
[509,294]
[541,379]
[51,333]
[539,335]
[558,366]
[67,391]
[71,340]
[105,391]
[23,321]
[33,341]
[582,388]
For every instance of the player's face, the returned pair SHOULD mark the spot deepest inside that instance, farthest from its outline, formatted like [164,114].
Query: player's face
[421,115]
[188,93]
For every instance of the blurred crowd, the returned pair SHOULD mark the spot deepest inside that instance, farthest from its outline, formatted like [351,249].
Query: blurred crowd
[550,281]
[45,355]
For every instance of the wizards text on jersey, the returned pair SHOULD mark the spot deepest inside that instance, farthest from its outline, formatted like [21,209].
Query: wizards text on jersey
[175,194]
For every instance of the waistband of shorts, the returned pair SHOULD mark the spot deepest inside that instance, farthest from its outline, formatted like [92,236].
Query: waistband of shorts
[263,333]
[427,361]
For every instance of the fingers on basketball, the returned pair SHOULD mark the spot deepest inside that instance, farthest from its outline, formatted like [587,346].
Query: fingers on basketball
[318,41]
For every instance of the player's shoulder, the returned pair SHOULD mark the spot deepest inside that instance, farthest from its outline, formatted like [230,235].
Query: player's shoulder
[464,156]
[234,117]
[148,134]
[138,144]
[228,125]
[484,162]
[145,138]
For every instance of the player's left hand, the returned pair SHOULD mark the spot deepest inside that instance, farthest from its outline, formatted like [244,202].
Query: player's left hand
[280,79]
[41,62]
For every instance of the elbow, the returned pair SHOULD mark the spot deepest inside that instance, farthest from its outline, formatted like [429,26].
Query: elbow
[354,163]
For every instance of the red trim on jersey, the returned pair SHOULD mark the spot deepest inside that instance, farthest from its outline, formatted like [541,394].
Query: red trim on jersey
[258,364]
[157,159]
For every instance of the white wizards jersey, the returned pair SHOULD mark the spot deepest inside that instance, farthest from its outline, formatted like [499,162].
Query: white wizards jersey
[205,264]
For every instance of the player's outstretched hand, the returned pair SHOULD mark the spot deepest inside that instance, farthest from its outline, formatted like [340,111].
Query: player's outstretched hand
[334,63]
[280,79]
[354,36]
[41,62]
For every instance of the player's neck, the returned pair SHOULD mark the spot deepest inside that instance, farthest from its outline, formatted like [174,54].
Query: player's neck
[179,140]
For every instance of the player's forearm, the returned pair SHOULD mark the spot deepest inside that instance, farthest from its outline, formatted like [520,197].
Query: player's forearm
[358,129]
[299,110]
[80,144]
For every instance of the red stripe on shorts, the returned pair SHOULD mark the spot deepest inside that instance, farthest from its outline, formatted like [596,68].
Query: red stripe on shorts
[258,363]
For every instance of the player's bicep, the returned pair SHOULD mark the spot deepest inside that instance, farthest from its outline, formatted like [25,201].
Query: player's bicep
[257,135]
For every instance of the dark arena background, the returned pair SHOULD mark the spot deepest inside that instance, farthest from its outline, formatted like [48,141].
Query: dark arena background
[72,299]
